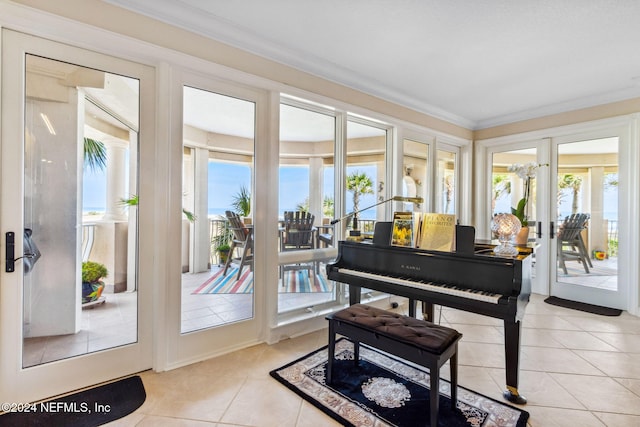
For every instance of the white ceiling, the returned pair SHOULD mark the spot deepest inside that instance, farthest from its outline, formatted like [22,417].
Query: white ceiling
[473,63]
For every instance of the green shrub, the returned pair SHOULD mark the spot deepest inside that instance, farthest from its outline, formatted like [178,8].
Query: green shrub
[92,272]
[223,248]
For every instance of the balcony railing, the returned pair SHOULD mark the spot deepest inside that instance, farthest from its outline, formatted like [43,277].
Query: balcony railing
[218,228]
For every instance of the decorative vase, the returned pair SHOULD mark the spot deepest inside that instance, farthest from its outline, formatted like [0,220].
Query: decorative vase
[91,291]
[522,237]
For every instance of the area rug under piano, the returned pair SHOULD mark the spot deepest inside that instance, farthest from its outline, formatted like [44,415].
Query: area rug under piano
[386,391]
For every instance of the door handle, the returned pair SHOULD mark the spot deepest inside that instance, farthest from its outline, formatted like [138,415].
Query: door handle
[552,231]
[539,228]
[10,261]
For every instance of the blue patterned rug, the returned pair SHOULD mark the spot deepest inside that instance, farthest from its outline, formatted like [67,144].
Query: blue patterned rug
[385,391]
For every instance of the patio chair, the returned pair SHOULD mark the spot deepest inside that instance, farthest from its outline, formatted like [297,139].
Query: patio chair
[325,235]
[242,239]
[298,233]
[570,242]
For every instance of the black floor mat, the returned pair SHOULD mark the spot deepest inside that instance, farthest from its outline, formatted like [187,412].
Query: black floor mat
[589,308]
[87,408]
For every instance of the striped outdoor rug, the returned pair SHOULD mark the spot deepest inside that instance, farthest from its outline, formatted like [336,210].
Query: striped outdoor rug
[298,281]
[219,284]
[294,281]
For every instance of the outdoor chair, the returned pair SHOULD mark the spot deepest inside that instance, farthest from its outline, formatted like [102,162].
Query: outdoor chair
[298,233]
[571,245]
[242,239]
[325,235]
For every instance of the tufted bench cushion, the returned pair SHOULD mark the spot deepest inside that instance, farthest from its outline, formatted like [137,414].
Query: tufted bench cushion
[418,333]
[419,341]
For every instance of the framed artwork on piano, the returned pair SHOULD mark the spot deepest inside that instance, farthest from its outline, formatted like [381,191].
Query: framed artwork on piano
[402,234]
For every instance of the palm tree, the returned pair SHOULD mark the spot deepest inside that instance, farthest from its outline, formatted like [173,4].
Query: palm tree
[574,183]
[501,185]
[327,206]
[242,202]
[303,206]
[358,183]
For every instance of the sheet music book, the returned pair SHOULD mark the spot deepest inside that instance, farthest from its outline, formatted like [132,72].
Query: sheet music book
[437,232]
[403,229]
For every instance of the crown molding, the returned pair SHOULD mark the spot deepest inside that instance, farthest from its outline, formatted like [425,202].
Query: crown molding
[203,23]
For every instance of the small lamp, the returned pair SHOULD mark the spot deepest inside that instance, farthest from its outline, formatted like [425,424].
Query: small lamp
[506,226]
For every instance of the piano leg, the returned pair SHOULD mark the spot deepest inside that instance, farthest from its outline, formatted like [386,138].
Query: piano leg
[427,311]
[512,361]
[412,307]
[354,294]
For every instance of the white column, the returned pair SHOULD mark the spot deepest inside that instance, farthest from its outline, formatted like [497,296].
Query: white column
[133,213]
[597,225]
[201,242]
[315,188]
[116,179]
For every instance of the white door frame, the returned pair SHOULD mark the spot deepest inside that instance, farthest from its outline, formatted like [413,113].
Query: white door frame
[186,348]
[588,294]
[628,127]
[37,382]
[485,158]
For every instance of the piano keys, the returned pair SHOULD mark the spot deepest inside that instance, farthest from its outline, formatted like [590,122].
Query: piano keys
[479,283]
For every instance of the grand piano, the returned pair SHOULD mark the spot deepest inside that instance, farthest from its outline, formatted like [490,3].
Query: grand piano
[478,282]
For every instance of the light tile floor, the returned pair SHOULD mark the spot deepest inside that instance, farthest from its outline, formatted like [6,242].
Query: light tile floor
[577,369]
[111,324]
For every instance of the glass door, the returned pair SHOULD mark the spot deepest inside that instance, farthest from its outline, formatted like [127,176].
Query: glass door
[366,181]
[415,168]
[574,211]
[507,189]
[217,230]
[446,179]
[71,306]
[587,178]
[306,207]
[215,306]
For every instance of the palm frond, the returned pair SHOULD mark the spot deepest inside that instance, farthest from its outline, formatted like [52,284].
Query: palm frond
[131,201]
[95,154]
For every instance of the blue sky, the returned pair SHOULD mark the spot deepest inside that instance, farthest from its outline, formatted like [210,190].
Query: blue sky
[94,190]
[226,179]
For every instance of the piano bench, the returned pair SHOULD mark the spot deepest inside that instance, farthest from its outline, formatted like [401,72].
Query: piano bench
[418,341]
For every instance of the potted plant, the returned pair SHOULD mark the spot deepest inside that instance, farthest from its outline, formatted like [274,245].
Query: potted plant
[92,284]
[223,252]
[526,172]
[241,204]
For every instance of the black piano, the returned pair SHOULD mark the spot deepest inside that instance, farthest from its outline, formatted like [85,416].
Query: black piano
[478,282]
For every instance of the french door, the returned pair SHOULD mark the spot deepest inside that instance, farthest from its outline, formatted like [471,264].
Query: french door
[506,188]
[75,127]
[586,180]
[214,144]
